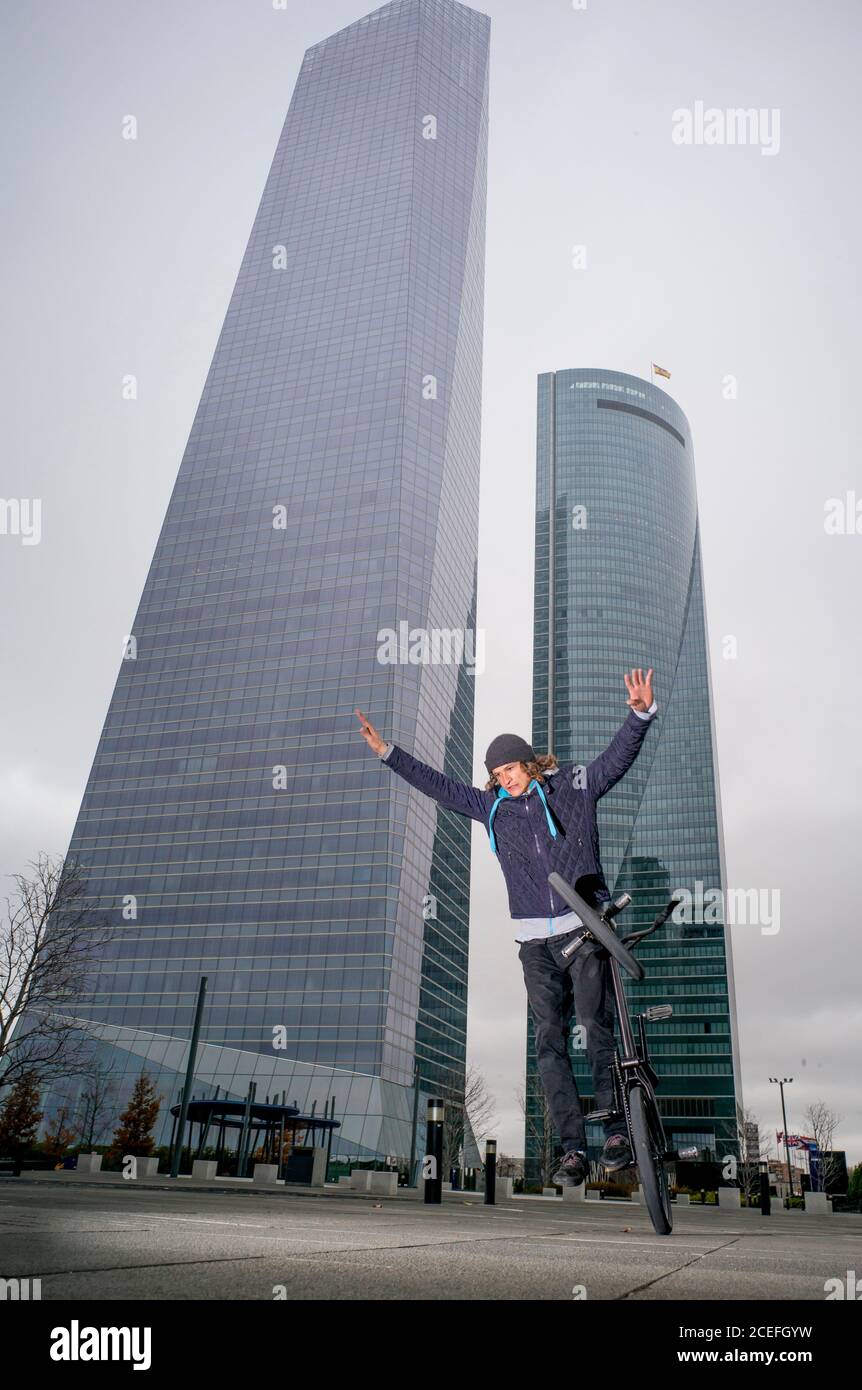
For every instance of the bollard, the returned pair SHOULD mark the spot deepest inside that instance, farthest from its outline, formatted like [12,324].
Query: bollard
[490,1173]
[433,1165]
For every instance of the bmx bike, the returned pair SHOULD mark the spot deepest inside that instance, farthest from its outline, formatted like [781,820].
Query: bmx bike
[634,1078]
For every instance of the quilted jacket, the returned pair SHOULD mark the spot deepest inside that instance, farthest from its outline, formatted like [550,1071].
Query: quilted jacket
[550,826]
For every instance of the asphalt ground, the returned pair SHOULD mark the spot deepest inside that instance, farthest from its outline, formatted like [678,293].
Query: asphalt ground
[134,1242]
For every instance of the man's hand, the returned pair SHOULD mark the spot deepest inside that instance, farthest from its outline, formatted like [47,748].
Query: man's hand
[639,688]
[370,734]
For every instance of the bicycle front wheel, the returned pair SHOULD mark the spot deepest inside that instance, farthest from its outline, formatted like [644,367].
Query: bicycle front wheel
[648,1139]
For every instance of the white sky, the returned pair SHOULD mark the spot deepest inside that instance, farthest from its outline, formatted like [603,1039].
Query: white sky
[710,260]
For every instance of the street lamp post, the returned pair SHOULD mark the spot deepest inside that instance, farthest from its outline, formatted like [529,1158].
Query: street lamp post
[177,1153]
[785,1081]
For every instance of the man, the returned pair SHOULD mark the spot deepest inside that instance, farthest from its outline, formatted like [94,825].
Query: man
[540,817]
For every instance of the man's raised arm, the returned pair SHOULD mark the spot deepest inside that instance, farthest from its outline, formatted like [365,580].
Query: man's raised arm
[606,770]
[454,796]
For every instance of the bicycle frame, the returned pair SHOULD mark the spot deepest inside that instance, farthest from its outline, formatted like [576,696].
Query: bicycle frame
[631,1064]
[632,1074]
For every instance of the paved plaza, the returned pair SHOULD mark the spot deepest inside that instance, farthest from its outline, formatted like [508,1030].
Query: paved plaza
[162,1241]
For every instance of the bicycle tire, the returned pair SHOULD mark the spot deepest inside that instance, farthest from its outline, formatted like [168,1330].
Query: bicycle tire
[648,1139]
[603,933]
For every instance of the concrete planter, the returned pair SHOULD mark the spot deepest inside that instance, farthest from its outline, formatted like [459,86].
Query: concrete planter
[265,1174]
[575,1194]
[318,1167]
[146,1167]
[729,1198]
[89,1163]
[816,1203]
[384,1184]
[204,1168]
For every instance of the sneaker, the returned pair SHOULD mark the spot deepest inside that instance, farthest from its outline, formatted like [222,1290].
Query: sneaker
[573,1168]
[616,1153]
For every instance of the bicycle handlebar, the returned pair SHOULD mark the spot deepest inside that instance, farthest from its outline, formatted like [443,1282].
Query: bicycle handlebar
[660,920]
[666,911]
[610,910]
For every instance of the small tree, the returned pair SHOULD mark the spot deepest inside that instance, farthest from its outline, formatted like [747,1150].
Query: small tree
[59,1136]
[821,1123]
[134,1133]
[477,1111]
[97,1102]
[755,1148]
[19,1117]
[453,1134]
[479,1103]
[538,1127]
[509,1166]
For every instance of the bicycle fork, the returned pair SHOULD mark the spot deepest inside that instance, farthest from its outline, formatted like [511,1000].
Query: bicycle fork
[631,1065]
[627,1062]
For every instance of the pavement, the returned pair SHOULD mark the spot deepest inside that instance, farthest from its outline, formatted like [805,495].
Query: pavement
[156,1239]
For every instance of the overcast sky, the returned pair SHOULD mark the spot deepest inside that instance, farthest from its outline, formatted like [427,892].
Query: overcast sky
[714,261]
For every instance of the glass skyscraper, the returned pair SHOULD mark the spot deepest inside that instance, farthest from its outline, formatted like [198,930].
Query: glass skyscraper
[235,824]
[619,584]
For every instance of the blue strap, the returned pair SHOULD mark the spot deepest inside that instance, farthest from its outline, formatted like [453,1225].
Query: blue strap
[501,792]
[551,826]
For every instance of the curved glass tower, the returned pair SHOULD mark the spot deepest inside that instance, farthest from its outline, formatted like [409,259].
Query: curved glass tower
[619,584]
[235,824]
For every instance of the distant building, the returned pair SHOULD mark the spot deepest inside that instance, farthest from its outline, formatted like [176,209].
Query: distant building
[619,583]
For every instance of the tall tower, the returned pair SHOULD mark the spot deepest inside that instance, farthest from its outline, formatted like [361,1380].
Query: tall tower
[619,584]
[234,823]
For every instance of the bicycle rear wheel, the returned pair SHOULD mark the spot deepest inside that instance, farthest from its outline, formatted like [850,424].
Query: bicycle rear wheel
[649,1144]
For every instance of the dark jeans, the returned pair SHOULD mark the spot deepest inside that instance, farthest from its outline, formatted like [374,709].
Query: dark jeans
[556,985]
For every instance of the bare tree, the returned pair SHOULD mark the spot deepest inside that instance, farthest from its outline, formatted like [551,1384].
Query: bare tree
[509,1166]
[97,1104]
[479,1104]
[477,1110]
[821,1123]
[755,1148]
[50,942]
[538,1128]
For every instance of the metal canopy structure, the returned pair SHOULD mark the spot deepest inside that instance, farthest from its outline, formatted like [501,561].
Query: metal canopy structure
[251,1119]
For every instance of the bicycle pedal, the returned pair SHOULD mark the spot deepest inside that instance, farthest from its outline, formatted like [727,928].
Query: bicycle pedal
[657,1011]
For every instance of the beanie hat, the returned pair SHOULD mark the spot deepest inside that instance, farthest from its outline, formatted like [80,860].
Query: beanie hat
[508,748]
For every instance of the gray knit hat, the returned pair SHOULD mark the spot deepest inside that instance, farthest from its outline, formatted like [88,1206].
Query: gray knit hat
[508,748]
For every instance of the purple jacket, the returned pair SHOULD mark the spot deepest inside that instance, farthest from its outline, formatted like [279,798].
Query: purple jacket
[550,826]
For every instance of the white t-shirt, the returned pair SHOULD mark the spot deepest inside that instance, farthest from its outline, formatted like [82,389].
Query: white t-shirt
[533,927]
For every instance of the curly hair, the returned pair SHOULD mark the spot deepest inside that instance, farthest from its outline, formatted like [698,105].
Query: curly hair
[542,763]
